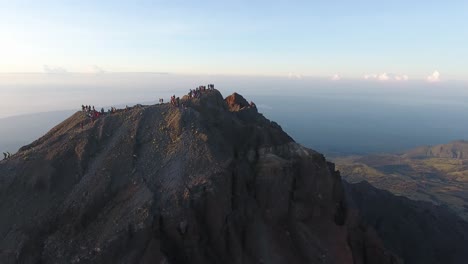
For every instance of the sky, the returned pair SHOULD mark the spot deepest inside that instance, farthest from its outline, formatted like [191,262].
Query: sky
[374,40]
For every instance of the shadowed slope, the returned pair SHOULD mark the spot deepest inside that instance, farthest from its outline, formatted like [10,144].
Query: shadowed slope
[419,232]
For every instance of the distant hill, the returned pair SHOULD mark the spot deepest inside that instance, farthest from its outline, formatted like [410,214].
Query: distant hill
[438,174]
[456,150]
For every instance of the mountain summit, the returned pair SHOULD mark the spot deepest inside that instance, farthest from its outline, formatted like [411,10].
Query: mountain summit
[212,181]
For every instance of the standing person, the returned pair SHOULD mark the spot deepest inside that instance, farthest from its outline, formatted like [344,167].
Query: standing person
[4,156]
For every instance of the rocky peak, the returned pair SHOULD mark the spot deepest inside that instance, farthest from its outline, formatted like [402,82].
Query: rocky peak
[236,102]
[200,183]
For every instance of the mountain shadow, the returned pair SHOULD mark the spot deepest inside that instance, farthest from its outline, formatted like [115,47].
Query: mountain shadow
[418,232]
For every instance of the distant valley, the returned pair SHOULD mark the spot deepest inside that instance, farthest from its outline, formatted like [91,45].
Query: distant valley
[438,174]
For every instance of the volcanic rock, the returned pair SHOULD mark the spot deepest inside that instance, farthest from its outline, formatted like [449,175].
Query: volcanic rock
[212,181]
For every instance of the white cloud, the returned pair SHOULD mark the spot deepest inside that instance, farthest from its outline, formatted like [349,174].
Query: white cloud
[294,76]
[434,77]
[403,77]
[336,77]
[386,77]
[370,76]
[95,69]
[383,77]
[54,69]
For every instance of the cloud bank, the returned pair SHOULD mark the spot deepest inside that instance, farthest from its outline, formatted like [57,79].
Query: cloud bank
[95,69]
[294,76]
[336,77]
[434,77]
[54,69]
[386,77]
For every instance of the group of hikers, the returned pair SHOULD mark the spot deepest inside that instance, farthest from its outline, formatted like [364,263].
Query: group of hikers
[6,155]
[175,101]
[196,93]
[93,114]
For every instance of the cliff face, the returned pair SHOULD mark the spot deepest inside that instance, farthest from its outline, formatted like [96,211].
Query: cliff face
[213,182]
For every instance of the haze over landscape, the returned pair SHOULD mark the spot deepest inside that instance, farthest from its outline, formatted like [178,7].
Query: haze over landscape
[240,172]
[336,117]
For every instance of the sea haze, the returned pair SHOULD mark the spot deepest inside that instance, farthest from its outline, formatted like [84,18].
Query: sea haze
[334,117]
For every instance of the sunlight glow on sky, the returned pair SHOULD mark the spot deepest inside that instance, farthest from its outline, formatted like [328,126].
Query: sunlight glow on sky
[391,40]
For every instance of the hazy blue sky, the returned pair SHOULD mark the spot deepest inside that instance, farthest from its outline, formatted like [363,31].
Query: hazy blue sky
[381,39]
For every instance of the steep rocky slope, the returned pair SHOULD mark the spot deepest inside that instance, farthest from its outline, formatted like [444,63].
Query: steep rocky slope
[419,232]
[211,182]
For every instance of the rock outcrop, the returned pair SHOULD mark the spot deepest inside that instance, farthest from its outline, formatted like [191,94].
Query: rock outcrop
[211,182]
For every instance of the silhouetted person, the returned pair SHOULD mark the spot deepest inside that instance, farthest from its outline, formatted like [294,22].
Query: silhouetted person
[9,155]
[4,156]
